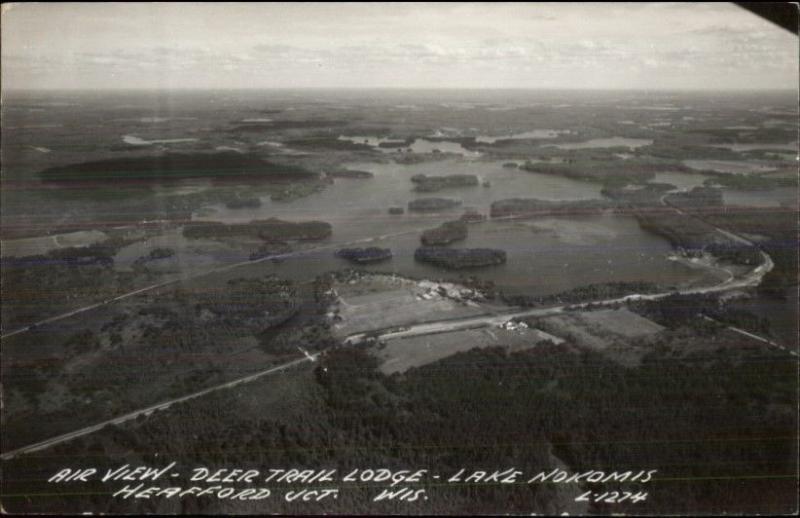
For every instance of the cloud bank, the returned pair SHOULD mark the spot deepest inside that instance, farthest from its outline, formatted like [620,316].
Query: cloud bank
[469,45]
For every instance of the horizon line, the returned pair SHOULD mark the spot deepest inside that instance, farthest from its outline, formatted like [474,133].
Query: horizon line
[398,88]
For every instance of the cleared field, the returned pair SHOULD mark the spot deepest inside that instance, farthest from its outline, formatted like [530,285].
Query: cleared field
[621,322]
[618,333]
[395,308]
[401,354]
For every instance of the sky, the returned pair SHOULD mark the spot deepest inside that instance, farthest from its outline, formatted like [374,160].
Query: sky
[650,46]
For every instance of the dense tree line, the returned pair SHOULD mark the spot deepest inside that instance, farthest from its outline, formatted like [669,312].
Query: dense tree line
[588,293]
[719,428]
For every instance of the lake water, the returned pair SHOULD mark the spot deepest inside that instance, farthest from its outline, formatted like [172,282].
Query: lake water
[728,166]
[351,199]
[681,180]
[544,255]
[662,108]
[780,197]
[368,140]
[791,146]
[427,146]
[419,145]
[630,143]
[534,134]
[280,147]
[136,141]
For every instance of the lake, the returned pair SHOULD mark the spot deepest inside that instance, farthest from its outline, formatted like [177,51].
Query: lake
[351,199]
[136,141]
[545,255]
[791,146]
[630,143]
[419,145]
[728,166]
[680,180]
[778,197]
[533,134]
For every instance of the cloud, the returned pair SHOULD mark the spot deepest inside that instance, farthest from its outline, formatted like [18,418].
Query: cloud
[433,45]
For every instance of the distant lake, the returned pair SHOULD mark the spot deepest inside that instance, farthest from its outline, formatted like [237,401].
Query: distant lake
[350,200]
[427,146]
[681,180]
[533,134]
[281,148]
[368,140]
[779,197]
[630,143]
[662,108]
[545,255]
[741,127]
[791,146]
[136,141]
[419,145]
[728,166]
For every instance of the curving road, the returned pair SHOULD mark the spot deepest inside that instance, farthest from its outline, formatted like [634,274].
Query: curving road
[752,278]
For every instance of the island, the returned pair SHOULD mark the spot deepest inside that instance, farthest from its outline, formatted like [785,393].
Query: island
[326,144]
[638,195]
[432,204]
[473,216]
[530,207]
[349,173]
[393,144]
[426,183]
[243,203]
[293,191]
[371,254]
[268,230]
[219,166]
[698,197]
[445,233]
[457,258]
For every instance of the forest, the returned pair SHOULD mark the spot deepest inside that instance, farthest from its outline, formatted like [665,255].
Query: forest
[720,429]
